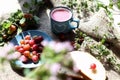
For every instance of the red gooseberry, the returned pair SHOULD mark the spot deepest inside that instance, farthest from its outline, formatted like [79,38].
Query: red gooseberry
[93,66]
[27,37]
[22,41]
[21,50]
[35,58]
[26,53]
[31,42]
[26,47]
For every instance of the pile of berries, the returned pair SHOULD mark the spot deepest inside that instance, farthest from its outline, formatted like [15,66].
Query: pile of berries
[30,48]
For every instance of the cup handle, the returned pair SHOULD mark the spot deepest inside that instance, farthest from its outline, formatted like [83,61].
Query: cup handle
[73,27]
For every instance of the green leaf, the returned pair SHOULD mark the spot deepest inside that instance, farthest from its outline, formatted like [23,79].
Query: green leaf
[2,43]
[6,24]
[39,1]
[26,5]
[0,28]
[86,5]
[26,71]
[33,2]
[103,41]
[37,19]
[19,30]
[50,56]
[58,58]
[20,13]
[118,5]
[118,65]
[82,3]
[92,9]
[119,23]
[111,6]
[40,73]
[22,21]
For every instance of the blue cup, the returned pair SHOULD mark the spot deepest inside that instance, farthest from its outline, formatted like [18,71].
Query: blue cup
[61,20]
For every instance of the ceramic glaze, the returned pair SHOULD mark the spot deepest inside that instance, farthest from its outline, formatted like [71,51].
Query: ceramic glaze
[61,19]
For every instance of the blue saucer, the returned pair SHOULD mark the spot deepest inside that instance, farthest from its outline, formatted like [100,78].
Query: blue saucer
[16,41]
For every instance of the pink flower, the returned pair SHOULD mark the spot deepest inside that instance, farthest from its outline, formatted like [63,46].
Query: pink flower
[44,43]
[9,47]
[54,68]
[14,55]
[4,51]
[58,46]
[68,46]
[52,44]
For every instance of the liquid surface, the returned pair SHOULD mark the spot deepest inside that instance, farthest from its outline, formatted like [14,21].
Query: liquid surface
[61,15]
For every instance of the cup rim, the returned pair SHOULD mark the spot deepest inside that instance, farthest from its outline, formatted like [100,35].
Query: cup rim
[52,10]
